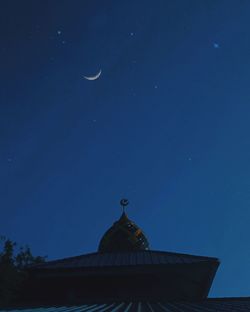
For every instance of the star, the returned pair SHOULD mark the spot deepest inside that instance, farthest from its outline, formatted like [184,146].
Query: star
[216,45]
[156,87]
[59,32]
[131,34]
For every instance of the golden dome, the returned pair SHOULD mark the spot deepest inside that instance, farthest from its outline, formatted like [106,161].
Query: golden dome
[124,235]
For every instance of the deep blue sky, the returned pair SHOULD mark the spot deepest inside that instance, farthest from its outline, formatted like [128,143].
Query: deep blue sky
[167,125]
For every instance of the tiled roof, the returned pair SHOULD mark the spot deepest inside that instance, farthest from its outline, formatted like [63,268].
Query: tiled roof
[133,258]
[219,305]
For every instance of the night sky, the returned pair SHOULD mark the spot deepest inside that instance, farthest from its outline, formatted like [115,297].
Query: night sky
[166,125]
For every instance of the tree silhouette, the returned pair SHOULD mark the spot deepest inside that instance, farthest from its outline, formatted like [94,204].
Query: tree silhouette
[12,269]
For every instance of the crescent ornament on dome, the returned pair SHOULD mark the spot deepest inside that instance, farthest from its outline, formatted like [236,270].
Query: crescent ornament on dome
[124,202]
[91,78]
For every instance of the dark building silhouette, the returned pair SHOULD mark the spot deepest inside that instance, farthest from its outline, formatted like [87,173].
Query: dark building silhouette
[125,275]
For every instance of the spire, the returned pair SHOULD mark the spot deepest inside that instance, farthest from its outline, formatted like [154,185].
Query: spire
[124,202]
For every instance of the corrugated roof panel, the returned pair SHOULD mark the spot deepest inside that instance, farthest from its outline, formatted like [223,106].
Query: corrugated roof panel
[86,308]
[190,307]
[121,259]
[127,307]
[96,261]
[150,308]
[118,307]
[124,258]
[161,259]
[178,259]
[164,307]
[138,258]
[243,304]
[107,308]
[132,259]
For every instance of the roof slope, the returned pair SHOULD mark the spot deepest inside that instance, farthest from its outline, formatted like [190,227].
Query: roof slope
[133,258]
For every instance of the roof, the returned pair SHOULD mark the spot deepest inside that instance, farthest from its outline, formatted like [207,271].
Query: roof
[209,305]
[131,275]
[118,259]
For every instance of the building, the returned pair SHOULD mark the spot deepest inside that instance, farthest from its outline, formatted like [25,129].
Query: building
[125,275]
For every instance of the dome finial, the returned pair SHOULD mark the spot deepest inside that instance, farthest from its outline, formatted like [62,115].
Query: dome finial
[124,202]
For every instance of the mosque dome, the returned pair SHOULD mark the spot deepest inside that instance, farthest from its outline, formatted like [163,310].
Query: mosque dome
[124,235]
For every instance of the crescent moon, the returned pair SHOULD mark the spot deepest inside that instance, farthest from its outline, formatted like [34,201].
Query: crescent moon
[93,77]
[124,202]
